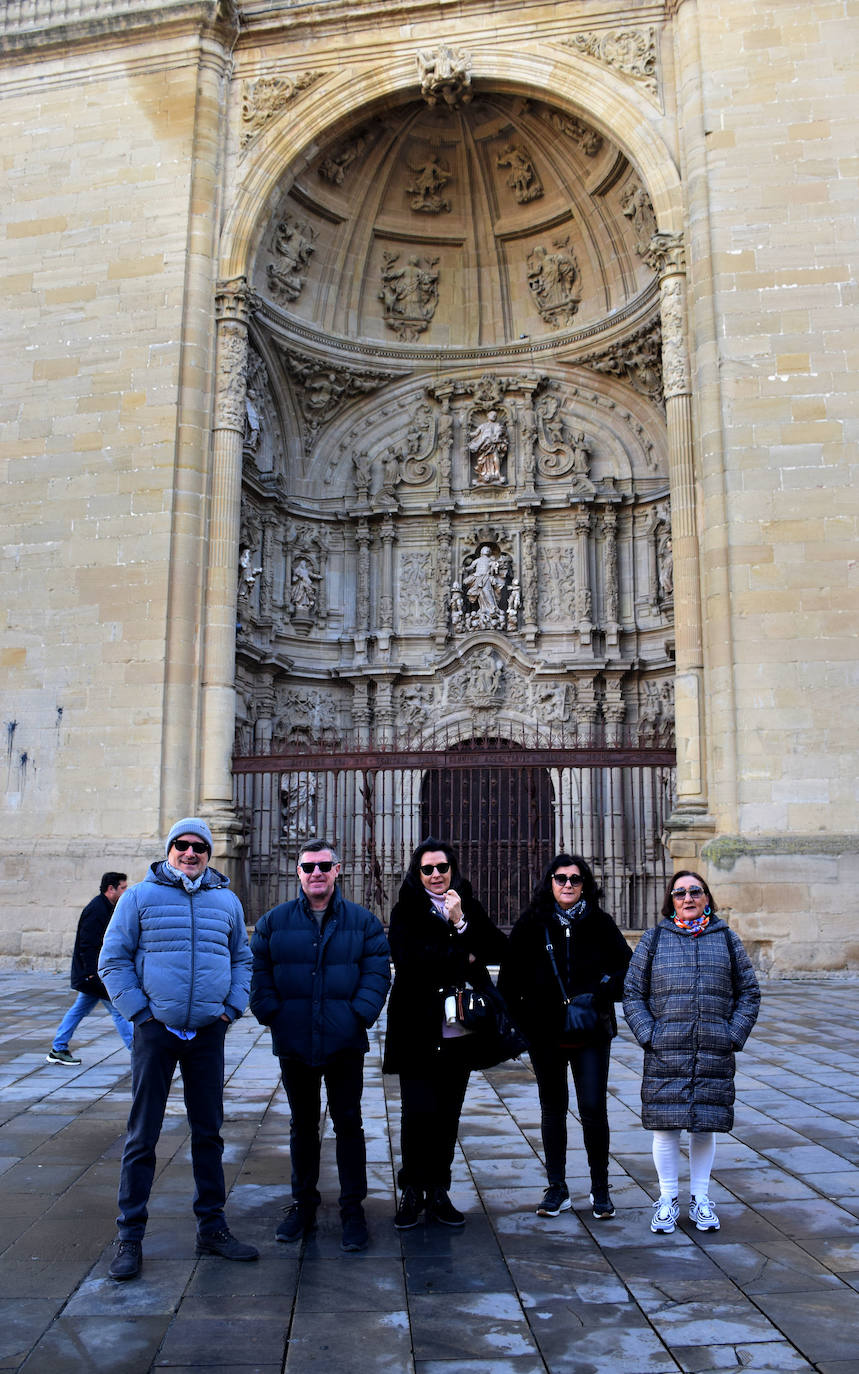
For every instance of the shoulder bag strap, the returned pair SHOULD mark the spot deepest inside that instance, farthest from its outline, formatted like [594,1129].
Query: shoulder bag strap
[551,953]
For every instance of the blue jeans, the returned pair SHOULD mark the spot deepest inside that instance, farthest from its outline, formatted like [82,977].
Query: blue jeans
[83,1004]
[153,1061]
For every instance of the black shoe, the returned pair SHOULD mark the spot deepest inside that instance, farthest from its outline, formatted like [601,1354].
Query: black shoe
[440,1208]
[555,1199]
[127,1261]
[411,1205]
[299,1221]
[601,1202]
[224,1243]
[355,1235]
[61,1057]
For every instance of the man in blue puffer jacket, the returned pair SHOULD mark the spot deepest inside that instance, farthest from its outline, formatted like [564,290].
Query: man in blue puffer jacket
[176,963]
[321,972]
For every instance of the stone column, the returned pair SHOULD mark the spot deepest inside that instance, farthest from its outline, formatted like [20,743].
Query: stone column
[387,535]
[444,577]
[667,256]
[584,598]
[610,577]
[361,712]
[531,627]
[232,306]
[362,591]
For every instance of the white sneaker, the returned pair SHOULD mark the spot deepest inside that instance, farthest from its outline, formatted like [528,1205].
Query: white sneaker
[702,1212]
[665,1214]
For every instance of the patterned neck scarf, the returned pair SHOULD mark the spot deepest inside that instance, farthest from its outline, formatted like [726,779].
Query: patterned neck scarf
[694,926]
[572,913]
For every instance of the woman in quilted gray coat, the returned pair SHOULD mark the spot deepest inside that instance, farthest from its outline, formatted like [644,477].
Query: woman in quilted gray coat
[691,999]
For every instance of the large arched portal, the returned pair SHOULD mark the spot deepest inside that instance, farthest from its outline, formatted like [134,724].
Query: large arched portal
[455,519]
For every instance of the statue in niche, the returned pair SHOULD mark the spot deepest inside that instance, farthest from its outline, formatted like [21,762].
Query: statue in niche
[514,601]
[253,423]
[248,574]
[362,474]
[457,614]
[635,206]
[484,584]
[551,280]
[665,563]
[488,446]
[409,294]
[444,74]
[484,681]
[390,473]
[293,242]
[425,188]
[523,180]
[302,589]
[297,798]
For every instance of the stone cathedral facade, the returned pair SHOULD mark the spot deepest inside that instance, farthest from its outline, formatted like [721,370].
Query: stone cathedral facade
[381,374]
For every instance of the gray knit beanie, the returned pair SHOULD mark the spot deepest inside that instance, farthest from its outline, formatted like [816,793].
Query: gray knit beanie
[189,825]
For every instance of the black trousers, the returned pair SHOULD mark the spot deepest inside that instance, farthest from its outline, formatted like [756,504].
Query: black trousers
[431,1103]
[154,1056]
[590,1077]
[344,1083]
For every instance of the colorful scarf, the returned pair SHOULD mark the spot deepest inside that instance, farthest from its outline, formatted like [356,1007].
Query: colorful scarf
[572,913]
[693,926]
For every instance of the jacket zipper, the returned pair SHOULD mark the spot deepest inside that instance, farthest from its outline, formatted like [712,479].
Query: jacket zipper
[193,961]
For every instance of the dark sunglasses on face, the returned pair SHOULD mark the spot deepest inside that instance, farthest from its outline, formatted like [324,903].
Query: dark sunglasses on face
[428,869]
[182,846]
[324,866]
[563,878]
[680,892]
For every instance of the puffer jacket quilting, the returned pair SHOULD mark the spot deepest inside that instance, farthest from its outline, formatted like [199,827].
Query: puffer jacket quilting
[690,1009]
[178,956]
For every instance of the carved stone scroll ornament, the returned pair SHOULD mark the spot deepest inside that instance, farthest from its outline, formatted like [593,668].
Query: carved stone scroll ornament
[337,163]
[637,360]
[409,294]
[632,52]
[552,279]
[445,75]
[636,206]
[425,189]
[415,467]
[293,245]
[323,389]
[561,451]
[523,179]
[265,98]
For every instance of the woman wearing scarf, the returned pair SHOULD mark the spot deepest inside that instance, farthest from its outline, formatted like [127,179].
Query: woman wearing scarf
[565,946]
[691,999]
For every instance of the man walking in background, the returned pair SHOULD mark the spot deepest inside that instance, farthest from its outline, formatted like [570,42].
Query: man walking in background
[90,989]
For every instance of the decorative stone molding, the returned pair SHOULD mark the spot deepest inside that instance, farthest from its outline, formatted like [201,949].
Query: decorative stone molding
[267,97]
[409,294]
[523,179]
[445,75]
[552,278]
[637,360]
[428,181]
[293,244]
[324,389]
[632,52]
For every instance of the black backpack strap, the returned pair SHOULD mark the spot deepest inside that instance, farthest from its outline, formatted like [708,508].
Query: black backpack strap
[650,954]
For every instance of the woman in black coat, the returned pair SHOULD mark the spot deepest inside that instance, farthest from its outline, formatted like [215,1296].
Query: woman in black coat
[691,999]
[565,945]
[441,938]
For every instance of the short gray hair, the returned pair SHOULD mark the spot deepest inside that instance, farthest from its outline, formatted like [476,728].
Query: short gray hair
[314,847]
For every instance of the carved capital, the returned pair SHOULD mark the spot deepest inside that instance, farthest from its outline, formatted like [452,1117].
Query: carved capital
[667,254]
[234,300]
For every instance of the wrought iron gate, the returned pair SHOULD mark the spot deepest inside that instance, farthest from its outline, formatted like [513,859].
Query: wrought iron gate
[506,809]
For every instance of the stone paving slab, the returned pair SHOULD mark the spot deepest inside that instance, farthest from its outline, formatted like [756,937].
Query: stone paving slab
[774,1290]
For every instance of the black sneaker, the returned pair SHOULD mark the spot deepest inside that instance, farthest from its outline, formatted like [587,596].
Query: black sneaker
[440,1208]
[555,1199]
[224,1243]
[127,1261]
[60,1057]
[298,1223]
[602,1204]
[410,1208]
[355,1235]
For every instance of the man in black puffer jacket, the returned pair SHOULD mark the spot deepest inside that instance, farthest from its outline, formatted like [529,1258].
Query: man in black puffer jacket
[320,978]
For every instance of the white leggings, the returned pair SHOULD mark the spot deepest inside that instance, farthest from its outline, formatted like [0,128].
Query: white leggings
[666,1157]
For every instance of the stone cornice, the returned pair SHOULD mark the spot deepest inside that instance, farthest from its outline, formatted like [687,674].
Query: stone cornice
[38,26]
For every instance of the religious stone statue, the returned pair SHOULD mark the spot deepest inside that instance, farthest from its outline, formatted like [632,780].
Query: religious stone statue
[253,424]
[390,473]
[551,280]
[456,611]
[488,444]
[424,190]
[302,589]
[444,74]
[665,563]
[361,474]
[483,582]
[247,574]
[635,205]
[514,601]
[523,180]
[409,294]
[293,243]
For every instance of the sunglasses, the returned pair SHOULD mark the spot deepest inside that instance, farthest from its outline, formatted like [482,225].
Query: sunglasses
[428,869]
[324,866]
[563,878]
[182,846]
[680,892]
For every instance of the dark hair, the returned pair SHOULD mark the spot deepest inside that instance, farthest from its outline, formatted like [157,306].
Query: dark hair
[667,908]
[427,846]
[316,847]
[111,880]
[543,901]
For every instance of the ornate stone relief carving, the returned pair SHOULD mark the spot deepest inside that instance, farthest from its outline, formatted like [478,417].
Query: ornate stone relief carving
[266,97]
[230,381]
[663,589]
[667,253]
[293,244]
[248,574]
[552,279]
[335,165]
[306,554]
[637,360]
[523,179]
[425,189]
[636,207]
[445,75]
[298,805]
[656,714]
[632,52]
[485,596]
[416,590]
[488,444]
[675,368]
[307,716]
[558,585]
[415,707]
[409,294]
[323,389]
[559,450]
[581,134]
[415,467]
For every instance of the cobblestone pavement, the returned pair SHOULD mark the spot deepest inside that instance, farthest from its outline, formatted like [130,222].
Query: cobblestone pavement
[775,1289]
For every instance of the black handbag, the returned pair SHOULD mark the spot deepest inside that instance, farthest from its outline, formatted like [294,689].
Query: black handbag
[484,1012]
[581,1017]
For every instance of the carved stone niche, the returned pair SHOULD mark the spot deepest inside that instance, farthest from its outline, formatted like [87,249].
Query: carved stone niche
[304,589]
[486,595]
[488,440]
